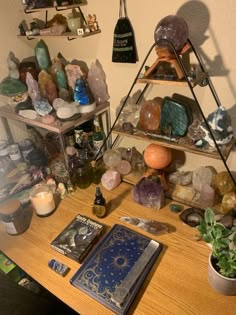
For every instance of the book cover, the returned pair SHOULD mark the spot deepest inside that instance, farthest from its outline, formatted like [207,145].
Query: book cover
[116,268]
[77,239]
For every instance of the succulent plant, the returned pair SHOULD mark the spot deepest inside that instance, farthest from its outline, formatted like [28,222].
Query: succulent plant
[223,243]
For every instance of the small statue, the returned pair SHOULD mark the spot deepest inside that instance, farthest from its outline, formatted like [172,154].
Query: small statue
[92,22]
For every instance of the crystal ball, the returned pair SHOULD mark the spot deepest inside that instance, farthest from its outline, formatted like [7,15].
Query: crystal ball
[174,29]
[111,158]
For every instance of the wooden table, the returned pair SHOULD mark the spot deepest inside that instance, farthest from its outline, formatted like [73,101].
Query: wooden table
[176,285]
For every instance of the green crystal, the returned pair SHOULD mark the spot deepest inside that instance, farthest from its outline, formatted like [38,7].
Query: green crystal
[11,87]
[174,117]
[175,207]
[61,79]
[42,55]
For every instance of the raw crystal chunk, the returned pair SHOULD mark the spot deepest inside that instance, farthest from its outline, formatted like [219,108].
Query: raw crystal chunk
[207,196]
[151,226]
[203,175]
[42,55]
[97,83]
[110,179]
[223,183]
[228,202]
[149,193]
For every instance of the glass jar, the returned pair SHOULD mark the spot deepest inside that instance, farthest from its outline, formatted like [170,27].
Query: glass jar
[3,148]
[84,176]
[14,153]
[42,199]
[15,217]
[26,146]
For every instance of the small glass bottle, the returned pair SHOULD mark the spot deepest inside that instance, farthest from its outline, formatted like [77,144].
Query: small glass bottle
[99,205]
[98,136]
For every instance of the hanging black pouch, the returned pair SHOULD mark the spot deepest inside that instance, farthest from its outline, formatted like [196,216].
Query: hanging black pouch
[124,47]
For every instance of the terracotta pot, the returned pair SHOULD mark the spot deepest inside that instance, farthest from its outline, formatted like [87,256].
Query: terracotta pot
[223,285]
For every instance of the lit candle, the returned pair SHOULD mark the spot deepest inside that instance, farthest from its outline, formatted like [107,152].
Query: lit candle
[42,200]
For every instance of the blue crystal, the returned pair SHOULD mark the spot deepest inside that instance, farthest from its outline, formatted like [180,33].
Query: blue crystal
[82,95]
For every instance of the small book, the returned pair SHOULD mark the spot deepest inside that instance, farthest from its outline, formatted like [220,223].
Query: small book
[78,238]
[117,267]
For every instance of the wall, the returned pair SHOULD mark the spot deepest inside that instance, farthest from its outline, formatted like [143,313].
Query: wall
[208,31]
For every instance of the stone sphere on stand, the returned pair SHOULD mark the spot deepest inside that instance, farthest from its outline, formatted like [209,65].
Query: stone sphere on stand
[174,29]
[157,157]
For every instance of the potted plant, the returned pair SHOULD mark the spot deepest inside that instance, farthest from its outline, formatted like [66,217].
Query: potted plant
[222,260]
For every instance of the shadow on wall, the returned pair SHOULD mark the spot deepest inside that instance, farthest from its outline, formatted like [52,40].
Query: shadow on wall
[197,16]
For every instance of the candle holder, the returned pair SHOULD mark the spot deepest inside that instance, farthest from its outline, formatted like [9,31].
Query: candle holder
[42,200]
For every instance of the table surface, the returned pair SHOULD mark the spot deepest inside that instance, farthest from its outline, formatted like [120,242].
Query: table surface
[177,283]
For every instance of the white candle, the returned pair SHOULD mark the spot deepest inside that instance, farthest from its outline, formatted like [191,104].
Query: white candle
[43,200]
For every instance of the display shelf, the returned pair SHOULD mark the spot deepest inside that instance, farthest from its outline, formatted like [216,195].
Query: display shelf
[67,35]
[202,77]
[57,8]
[58,126]
[203,80]
[133,180]
[173,144]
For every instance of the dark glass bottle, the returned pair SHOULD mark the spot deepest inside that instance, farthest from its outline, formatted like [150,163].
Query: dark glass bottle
[99,206]
[98,136]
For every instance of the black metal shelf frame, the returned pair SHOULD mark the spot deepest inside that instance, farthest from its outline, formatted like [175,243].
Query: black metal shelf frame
[206,82]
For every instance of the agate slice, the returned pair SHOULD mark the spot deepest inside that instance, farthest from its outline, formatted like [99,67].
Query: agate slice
[192,216]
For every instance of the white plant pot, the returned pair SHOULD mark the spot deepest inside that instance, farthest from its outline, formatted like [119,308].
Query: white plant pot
[223,285]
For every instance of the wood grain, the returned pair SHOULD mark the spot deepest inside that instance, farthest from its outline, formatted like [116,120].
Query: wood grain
[177,284]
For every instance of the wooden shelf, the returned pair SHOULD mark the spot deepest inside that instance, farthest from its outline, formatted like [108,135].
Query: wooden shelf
[67,35]
[58,126]
[175,145]
[57,8]
[151,80]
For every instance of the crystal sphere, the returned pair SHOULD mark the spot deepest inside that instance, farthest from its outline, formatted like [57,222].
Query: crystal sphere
[174,29]
[150,114]
[157,157]
[111,158]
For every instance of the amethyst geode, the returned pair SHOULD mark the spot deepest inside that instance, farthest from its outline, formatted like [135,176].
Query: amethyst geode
[149,193]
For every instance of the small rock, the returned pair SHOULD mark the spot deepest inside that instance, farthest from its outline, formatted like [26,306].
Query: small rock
[175,208]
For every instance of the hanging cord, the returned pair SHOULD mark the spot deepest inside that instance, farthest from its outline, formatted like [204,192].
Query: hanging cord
[122,5]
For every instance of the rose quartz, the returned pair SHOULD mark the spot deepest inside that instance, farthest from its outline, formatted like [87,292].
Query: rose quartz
[110,179]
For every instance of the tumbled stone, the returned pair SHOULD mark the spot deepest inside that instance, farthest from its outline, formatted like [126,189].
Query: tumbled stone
[175,207]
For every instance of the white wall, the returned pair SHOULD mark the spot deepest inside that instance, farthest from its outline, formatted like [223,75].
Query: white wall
[211,26]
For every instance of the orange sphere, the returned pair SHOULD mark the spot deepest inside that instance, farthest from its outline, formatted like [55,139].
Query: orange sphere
[157,157]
